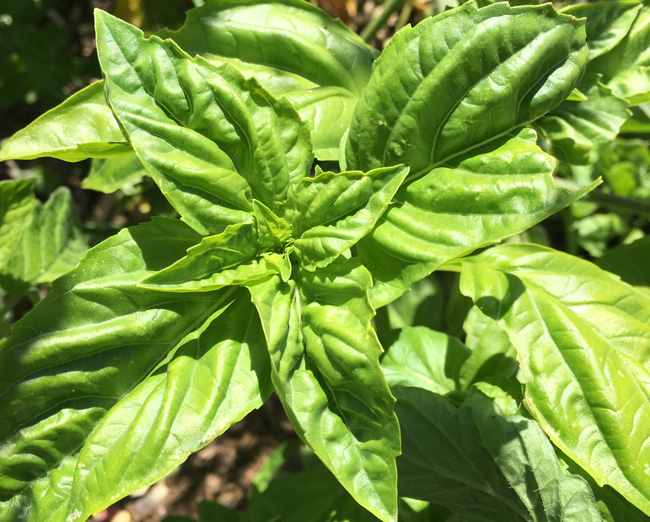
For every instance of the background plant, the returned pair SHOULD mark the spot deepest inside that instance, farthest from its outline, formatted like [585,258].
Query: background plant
[168,332]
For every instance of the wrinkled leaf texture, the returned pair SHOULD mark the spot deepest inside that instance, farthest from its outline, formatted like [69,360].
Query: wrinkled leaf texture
[106,387]
[446,98]
[583,343]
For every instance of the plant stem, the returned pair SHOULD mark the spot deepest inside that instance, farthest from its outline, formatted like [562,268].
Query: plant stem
[370,31]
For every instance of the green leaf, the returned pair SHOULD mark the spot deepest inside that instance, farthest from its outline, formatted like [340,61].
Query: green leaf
[492,352]
[210,139]
[626,68]
[325,369]
[484,465]
[575,129]
[627,261]
[314,495]
[608,22]
[332,212]
[583,339]
[51,245]
[318,63]
[17,204]
[106,387]
[107,175]
[470,202]
[272,231]
[425,359]
[81,127]
[453,83]
[229,258]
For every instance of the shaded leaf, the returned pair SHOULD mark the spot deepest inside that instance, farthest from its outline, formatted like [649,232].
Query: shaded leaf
[17,204]
[107,175]
[628,262]
[484,465]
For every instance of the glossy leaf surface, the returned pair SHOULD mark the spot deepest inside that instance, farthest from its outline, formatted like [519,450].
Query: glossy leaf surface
[583,339]
[626,68]
[484,465]
[455,82]
[210,139]
[608,23]
[331,212]
[469,202]
[81,127]
[148,370]
[292,49]
[325,368]
[576,128]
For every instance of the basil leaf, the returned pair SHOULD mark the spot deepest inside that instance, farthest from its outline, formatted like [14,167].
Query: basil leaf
[624,261]
[470,202]
[626,68]
[205,128]
[81,127]
[332,212]
[51,245]
[583,339]
[133,359]
[229,258]
[325,369]
[17,204]
[576,129]
[483,465]
[316,62]
[425,359]
[453,83]
[107,175]
[492,351]
[608,23]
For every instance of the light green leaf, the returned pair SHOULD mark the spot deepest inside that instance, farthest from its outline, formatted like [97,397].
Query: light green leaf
[628,262]
[492,352]
[332,212]
[272,231]
[626,68]
[325,369]
[484,465]
[210,139]
[292,49]
[17,204]
[425,359]
[51,245]
[229,258]
[470,202]
[576,129]
[107,175]
[81,127]
[106,387]
[583,339]
[608,22]
[453,83]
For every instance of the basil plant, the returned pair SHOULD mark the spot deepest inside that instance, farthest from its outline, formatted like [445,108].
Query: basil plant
[164,335]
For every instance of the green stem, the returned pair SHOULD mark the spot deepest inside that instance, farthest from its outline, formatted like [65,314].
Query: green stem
[618,203]
[370,31]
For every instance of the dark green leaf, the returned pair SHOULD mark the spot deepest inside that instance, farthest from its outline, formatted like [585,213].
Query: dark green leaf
[17,204]
[484,465]
[629,262]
